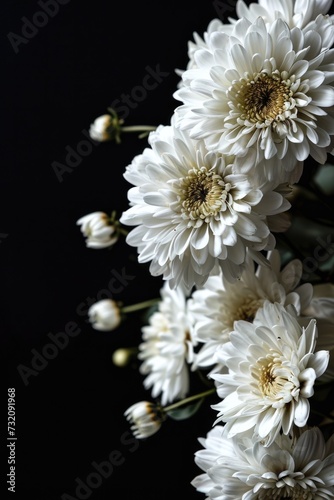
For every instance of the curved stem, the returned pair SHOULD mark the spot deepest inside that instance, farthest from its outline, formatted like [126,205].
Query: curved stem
[188,400]
[140,305]
[138,128]
[123,231]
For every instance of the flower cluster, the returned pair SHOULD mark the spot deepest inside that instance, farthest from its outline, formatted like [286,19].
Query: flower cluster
[212,197]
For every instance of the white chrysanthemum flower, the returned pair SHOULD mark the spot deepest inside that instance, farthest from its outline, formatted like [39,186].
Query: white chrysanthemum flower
[105,315]
[193,212]
[216,306]
[239,469]
[272,367]
[265,87]
[98,229]
[145,419]
[297,13]
[166,351]
[199,42]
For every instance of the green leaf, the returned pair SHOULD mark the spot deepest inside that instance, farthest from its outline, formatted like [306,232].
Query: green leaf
[185,412]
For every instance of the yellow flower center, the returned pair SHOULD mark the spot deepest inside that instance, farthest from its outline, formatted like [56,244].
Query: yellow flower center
[274,379]
[283,491]
[247,310]
[262,98]
[203,194]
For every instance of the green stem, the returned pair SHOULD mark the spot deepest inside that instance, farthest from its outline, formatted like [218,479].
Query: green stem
[138,128]
[188,400]
[114,222]
[140,305]
[122,231]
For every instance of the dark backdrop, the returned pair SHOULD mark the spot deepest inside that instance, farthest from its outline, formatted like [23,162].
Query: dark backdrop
[60,70]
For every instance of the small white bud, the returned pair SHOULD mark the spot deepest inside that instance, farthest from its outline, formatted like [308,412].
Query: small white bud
[105,315]
[98,229]
[100,130]
[145,419]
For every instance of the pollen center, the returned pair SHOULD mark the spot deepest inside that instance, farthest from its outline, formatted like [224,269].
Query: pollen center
[247,310]
[203,194]
[283,491]
[273,378]
[262,98]
[267,379]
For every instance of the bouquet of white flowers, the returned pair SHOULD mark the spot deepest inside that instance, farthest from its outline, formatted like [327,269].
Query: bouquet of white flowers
[231,205]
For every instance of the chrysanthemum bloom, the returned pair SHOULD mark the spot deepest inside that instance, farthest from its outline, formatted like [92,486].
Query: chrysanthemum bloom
[239,469]
[272,367]
[167,350]
[216,306]
[98,229]
[193,212]
[200,42]
[297,13]
[105,315]
[145,419]
[266,87]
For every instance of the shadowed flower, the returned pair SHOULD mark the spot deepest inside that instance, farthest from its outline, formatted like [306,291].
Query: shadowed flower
[298,468]
[166,350]
[272,367]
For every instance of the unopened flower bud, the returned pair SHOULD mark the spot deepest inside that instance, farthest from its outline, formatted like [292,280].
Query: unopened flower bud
[122,357]
[105,315]
[101,129]
[145,418]
[99,230]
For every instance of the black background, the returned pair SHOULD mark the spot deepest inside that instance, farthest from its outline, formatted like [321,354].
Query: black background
[69,414]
